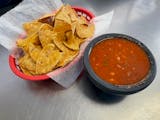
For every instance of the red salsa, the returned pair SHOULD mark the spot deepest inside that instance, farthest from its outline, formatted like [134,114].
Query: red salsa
[119,61]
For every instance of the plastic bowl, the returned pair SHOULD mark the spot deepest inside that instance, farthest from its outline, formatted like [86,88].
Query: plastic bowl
[119,89]
[12,61]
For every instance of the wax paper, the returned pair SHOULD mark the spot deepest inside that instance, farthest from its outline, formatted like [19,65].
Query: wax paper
[11,28]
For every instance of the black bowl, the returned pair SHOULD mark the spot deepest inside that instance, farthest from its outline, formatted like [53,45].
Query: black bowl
[119,89]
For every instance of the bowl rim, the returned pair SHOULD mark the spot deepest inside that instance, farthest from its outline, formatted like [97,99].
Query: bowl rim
[12,60]
[119,89]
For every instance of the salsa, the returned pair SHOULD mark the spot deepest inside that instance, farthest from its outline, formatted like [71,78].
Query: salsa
[119,61]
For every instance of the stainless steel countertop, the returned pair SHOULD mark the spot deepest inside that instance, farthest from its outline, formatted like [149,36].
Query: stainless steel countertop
[25,100]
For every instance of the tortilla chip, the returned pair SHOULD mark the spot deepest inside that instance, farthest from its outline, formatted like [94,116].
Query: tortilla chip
[58,41]
[67,57]
[21,43]
[48,59]
[45,34]
[72,41]
[71,12]
[33,39]
[31,27]
[46,37]
[85,31]
[25,71]
[61,26]
[63,15]
[24,43]
[73,27]
[67,54]
[34,51]
[45,26]
[48,18]
[27,63]
[82,20]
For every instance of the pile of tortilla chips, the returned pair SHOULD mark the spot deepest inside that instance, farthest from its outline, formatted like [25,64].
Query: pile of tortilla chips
[53,41]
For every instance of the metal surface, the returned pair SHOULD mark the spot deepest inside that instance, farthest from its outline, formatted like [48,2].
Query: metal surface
[24,100]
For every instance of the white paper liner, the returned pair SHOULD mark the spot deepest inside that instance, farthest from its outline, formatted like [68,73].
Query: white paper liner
[11,28]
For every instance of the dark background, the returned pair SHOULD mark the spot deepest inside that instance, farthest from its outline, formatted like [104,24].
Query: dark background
[6,5]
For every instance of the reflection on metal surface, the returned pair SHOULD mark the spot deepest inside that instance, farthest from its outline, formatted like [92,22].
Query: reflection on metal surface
[23,100]
[141,9]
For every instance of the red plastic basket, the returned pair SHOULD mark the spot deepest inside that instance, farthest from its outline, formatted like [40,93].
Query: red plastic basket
[12,61]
